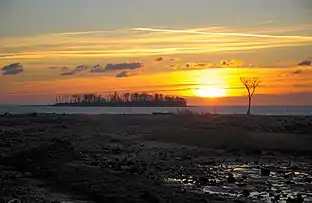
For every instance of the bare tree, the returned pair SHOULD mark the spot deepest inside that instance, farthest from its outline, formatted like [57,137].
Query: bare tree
[250,84]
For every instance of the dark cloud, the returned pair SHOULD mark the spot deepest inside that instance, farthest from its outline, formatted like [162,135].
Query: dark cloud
[126,73]
[159,59]
[123,66]
[123,74]
[12,69]
[191,66]
[68,73]
[305,63]
[78,69]
[95,66]
[97,69]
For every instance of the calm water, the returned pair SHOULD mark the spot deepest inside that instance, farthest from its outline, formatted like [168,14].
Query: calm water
[259,110]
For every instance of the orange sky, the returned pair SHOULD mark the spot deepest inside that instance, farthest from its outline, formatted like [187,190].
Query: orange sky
[191,62]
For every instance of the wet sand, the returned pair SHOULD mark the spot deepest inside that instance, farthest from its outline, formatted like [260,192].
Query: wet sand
[155,158]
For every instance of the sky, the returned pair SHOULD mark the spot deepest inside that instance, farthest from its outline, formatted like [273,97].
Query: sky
[196,49]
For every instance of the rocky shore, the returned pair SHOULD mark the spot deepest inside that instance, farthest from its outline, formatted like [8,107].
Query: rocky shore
[155,158]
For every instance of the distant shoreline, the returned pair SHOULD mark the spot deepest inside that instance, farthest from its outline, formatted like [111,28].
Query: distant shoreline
[220,106]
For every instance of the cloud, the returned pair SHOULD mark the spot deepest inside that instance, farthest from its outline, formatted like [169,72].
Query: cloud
[68,73]
[12,69]
[159,59]
[234,63]
[175,59]
[298,71]
[302,85]
[124,74]
[191,66]
[225,34]
[64,68]
[116,67]
[97,69]
[305,63]
[78,69]
[123,66]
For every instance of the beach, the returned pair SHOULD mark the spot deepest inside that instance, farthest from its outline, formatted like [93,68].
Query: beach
[155,158]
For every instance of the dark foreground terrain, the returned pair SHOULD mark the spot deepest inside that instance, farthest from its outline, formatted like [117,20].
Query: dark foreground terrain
[155,158]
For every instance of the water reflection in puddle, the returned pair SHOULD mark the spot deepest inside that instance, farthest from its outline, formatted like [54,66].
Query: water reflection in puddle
[250,184]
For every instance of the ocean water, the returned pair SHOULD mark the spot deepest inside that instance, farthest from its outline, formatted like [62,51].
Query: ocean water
[257,110]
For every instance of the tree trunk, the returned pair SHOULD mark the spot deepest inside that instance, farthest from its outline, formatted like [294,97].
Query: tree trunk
[249,105]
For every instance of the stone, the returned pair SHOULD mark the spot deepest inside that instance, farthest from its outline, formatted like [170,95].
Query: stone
[151,197]
[178,158]
[246,193]
[202,181]
[231,178]
[14,201]
[27,175]
[265,172]
[297,199]
[277,198]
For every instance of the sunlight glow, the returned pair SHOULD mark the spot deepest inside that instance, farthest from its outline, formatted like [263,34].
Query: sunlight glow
[210,91]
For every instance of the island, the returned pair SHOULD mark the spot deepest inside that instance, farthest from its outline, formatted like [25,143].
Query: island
[121,100]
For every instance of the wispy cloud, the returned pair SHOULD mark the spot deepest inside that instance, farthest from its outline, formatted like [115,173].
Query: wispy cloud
[226,34]
[136,42]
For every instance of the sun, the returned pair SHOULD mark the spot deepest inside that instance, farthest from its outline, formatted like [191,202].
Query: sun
[210,91]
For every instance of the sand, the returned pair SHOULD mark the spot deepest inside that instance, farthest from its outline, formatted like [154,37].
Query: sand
[155,158]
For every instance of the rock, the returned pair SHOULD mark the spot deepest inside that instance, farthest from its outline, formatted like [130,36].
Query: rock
[241,184]
[246,193]
[34,114]
[239,201]
[14,201]
[308,180]
[298,199]
[151,197]
[187,157]
[277,198]
[202,181]
[231,178]
[27,175]
[265,172]
[178,158]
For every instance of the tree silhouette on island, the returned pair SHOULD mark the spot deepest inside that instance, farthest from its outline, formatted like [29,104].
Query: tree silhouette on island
[119,100]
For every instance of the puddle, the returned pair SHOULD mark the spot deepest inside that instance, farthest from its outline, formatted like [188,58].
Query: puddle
[283,182]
